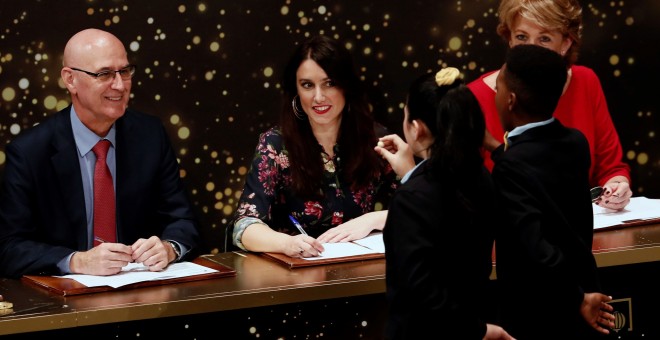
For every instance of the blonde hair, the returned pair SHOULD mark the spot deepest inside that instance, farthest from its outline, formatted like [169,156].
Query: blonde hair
[564,16]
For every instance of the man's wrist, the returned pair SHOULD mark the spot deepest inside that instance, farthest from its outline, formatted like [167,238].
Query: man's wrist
[176,249]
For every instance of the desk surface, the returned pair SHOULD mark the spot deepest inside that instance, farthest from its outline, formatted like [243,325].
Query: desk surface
[259,282]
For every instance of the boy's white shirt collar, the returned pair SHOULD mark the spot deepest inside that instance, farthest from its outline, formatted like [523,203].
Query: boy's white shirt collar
[520,129]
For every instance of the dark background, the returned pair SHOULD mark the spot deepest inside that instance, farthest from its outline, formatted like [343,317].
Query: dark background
[210,69]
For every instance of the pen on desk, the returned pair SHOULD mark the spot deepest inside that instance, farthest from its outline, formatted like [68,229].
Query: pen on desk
[297,224]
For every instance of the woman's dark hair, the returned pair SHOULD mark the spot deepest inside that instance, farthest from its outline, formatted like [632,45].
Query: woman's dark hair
[424,96]
[456,156]
[360,163]
[454,117]
[456,151]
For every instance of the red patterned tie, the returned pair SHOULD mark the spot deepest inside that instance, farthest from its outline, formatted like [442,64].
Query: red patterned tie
[104,197]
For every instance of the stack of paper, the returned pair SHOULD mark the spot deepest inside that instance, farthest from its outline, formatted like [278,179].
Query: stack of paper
[640,210]
[136,272]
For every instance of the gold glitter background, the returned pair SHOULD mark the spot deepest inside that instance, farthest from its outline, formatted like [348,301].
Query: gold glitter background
[210,70]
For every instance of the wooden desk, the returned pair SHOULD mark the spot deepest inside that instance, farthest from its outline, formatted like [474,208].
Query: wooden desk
[624,246]
[261,283]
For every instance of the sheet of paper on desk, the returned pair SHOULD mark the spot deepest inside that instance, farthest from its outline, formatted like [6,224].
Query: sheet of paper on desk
[341,249]
[371,244]
[373,241]
[136,272]
[639,208]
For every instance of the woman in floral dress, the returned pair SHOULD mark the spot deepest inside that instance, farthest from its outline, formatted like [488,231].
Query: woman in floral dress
[319,165]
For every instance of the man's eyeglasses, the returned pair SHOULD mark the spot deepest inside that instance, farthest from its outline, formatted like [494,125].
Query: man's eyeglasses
[125,73]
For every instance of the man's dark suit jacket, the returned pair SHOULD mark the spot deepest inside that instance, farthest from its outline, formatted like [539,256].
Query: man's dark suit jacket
[438,257]
[543,252]
[42,206]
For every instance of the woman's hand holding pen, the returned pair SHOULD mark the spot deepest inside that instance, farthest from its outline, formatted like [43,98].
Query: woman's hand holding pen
[303,246]
[616,194]
[309,245]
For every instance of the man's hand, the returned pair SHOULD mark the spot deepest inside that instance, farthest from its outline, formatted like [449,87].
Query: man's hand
[104,259]
[153,253]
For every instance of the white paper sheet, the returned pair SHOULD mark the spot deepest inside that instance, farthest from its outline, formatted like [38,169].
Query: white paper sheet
[639,208]
[136,272]
[373,241]
[371,244]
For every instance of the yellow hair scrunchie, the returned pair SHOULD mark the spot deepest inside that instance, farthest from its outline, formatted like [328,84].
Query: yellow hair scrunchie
[447,76]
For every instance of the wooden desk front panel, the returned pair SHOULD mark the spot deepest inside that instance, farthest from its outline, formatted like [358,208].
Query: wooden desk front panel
[624,246]
[260,283]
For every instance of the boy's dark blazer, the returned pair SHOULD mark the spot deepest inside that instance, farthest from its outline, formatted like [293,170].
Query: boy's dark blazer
[545,247]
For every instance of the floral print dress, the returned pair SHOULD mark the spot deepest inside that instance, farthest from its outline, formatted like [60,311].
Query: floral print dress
[267,196]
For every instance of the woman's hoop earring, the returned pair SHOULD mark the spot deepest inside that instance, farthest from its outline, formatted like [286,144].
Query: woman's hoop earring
[296,111]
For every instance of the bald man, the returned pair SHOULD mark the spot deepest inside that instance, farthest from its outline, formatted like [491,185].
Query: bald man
[47,195]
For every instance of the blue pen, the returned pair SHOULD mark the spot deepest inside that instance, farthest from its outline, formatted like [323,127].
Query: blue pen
[300,228]
[297,224]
